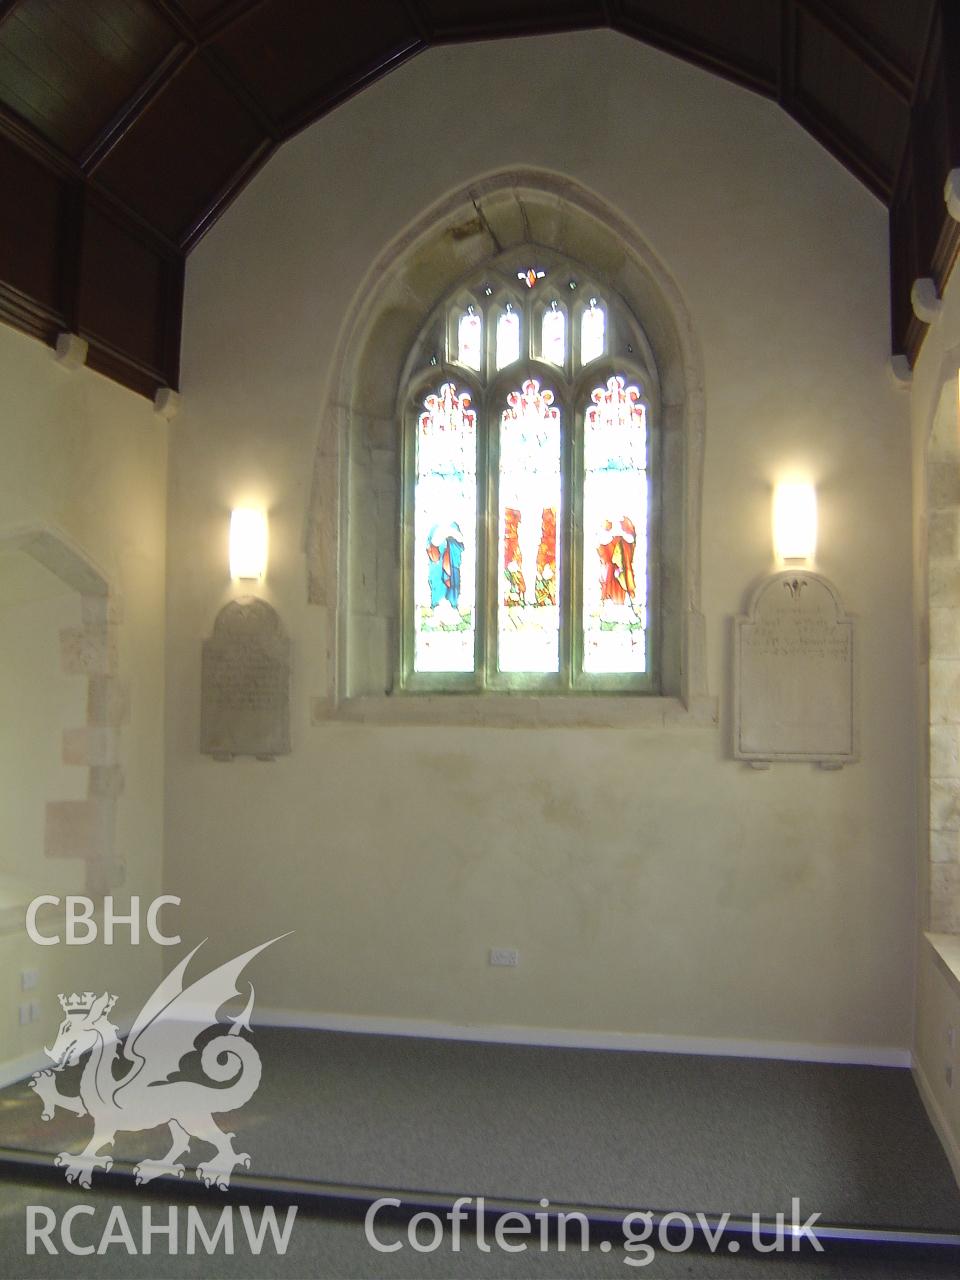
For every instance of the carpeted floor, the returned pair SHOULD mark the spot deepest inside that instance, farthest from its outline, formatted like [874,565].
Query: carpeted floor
[631,1130]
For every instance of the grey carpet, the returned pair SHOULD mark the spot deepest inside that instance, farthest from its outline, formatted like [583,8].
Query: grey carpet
[637,1130]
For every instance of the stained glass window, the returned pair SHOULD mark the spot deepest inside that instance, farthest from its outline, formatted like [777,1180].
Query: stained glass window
[527,519]
[528,615]
[615,529]
[593,326]
[508,337]
[445,532]
[470,339]
[554,335]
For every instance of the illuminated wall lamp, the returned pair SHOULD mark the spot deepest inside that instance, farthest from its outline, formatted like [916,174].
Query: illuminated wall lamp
[248,544]
[794,521]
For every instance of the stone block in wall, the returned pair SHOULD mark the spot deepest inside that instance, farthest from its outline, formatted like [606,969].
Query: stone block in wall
[364,529]
[97,610]
[945,897]
[942,528]
[108,702]
[944,691]
[388,584]
[89,746]
[323,538]
[945,846]
[89,650]
[944,633]
[943,483]
[385,470]
[106,781]
[944,751]
[944,584]
[944,804]
[371,655]
[79,829]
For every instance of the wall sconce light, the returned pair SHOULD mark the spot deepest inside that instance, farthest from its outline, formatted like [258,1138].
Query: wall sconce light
[248,543]
[794,521]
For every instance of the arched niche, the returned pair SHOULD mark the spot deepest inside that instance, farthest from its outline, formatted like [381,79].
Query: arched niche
[352,538]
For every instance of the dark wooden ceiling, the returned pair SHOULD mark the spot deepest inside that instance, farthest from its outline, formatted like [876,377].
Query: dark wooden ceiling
[127,126]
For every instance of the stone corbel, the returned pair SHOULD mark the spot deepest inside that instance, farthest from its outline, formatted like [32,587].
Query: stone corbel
[166,403]
[900,372]
[926,302]
[71,351]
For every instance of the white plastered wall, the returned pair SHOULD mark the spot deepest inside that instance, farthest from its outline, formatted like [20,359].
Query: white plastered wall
[650,883]
[83,461]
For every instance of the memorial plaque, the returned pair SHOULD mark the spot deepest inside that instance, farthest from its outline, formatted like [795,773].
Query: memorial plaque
[245,683]
[794,688]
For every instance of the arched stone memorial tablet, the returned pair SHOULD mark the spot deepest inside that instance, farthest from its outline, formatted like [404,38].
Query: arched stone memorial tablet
[794,687]
[245,683]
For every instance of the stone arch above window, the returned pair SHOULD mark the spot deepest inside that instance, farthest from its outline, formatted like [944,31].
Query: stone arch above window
[436,270]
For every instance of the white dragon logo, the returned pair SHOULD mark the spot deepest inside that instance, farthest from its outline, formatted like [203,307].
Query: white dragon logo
[164,1033]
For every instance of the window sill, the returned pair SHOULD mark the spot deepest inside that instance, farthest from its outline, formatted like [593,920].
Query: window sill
[946,948]
[518,711]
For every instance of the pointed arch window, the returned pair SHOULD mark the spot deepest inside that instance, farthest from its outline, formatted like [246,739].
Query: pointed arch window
[529,536]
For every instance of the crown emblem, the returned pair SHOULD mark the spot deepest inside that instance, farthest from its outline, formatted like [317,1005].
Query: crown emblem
[82,1003]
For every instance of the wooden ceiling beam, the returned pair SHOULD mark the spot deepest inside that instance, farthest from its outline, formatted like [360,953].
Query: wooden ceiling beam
[226,195]
[176,17]
[347,87]
[242,92]
[228,14]
[699,53]
[123,121]
[787,70]
[35,144]
[418,18]
[861,46]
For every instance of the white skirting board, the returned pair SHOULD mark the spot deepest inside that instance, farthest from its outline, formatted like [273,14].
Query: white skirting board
[948,1139]
[562,1038]
[547,1037]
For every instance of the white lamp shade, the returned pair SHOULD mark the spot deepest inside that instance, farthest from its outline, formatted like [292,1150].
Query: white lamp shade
[248,543]
[795,521]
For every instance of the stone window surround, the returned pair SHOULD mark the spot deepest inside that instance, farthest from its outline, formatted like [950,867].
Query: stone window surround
[354,579]
[942,476]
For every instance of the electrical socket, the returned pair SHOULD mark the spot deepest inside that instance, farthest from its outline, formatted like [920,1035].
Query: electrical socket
[29,978]
[24,1014]
[507,956]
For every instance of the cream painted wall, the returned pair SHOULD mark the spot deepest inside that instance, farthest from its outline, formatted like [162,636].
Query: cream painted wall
[86,458]
[650,883]
[38,700]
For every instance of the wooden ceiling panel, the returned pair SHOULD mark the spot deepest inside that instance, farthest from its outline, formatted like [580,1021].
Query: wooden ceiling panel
[121,281]
[897,28]
[466,19]
[297,60]
[861,114]
[151,114]
[191,141]
[30,227]
[742,39]
[67,67]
